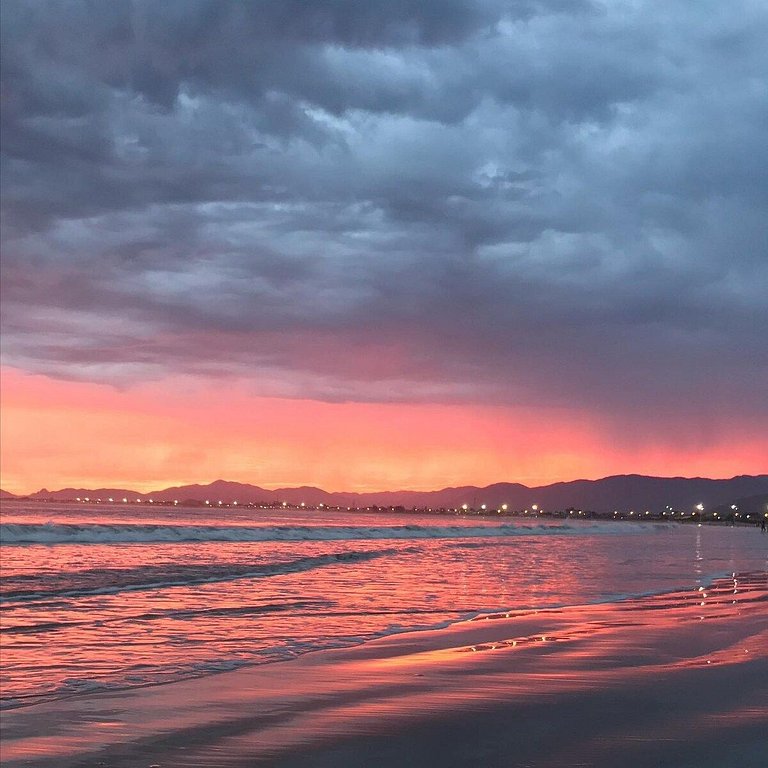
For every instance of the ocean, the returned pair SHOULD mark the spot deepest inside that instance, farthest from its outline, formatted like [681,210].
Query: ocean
[118,596]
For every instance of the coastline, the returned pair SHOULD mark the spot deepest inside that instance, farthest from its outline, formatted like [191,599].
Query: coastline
[674,679]
[567,512]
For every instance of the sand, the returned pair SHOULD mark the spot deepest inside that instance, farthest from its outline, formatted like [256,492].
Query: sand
[677,680]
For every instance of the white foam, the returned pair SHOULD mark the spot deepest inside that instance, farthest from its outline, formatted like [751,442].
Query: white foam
[96,533]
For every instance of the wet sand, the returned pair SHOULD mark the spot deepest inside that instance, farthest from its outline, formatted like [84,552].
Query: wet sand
[677,680]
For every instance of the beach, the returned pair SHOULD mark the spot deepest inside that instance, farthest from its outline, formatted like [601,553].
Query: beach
[673,679]
[382,384]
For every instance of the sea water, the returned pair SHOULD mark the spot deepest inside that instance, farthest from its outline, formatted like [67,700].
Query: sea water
[104,597]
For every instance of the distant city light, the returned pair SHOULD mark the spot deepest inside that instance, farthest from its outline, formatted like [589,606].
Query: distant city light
[700,507]
[534,507]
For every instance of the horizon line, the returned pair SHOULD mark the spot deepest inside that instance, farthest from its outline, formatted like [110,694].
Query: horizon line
[43,488]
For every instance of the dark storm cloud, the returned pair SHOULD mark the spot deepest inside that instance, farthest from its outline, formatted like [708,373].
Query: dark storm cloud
[531,202]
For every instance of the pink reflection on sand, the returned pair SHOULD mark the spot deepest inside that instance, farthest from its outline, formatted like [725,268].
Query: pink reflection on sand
[653,649]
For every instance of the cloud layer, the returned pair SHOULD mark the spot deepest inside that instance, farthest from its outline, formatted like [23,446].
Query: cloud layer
[546,203]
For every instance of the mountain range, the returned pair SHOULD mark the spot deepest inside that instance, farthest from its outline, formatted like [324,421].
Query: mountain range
[622,492]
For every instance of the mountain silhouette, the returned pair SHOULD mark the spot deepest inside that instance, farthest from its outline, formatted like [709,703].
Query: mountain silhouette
[621,492]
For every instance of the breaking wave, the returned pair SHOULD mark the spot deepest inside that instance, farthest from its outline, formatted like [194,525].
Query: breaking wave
[67,533]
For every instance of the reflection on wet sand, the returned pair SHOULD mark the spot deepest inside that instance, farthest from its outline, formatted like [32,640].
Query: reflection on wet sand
[646,677]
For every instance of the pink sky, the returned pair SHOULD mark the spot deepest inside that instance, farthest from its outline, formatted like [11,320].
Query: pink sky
[393,249]
[62,433]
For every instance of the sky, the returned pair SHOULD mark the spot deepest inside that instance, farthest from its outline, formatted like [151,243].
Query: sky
[368,245]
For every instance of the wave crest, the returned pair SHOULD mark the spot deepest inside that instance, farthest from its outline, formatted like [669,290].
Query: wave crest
[100,533]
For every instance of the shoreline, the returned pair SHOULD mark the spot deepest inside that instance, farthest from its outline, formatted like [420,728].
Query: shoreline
[53,697]
[503,677]
[10,704]
[570,513]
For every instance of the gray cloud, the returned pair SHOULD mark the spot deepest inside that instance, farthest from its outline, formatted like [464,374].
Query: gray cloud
[557,203]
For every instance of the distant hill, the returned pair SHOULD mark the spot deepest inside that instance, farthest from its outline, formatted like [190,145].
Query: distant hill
[7,495]
[70,494]
[622,492]
[749,505]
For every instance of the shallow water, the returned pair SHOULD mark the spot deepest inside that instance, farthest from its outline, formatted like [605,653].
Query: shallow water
[114,597]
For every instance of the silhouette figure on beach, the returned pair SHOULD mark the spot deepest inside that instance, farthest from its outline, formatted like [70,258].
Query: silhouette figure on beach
[762,525]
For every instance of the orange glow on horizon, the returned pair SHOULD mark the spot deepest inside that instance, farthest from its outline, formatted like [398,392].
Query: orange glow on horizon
[181,431]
